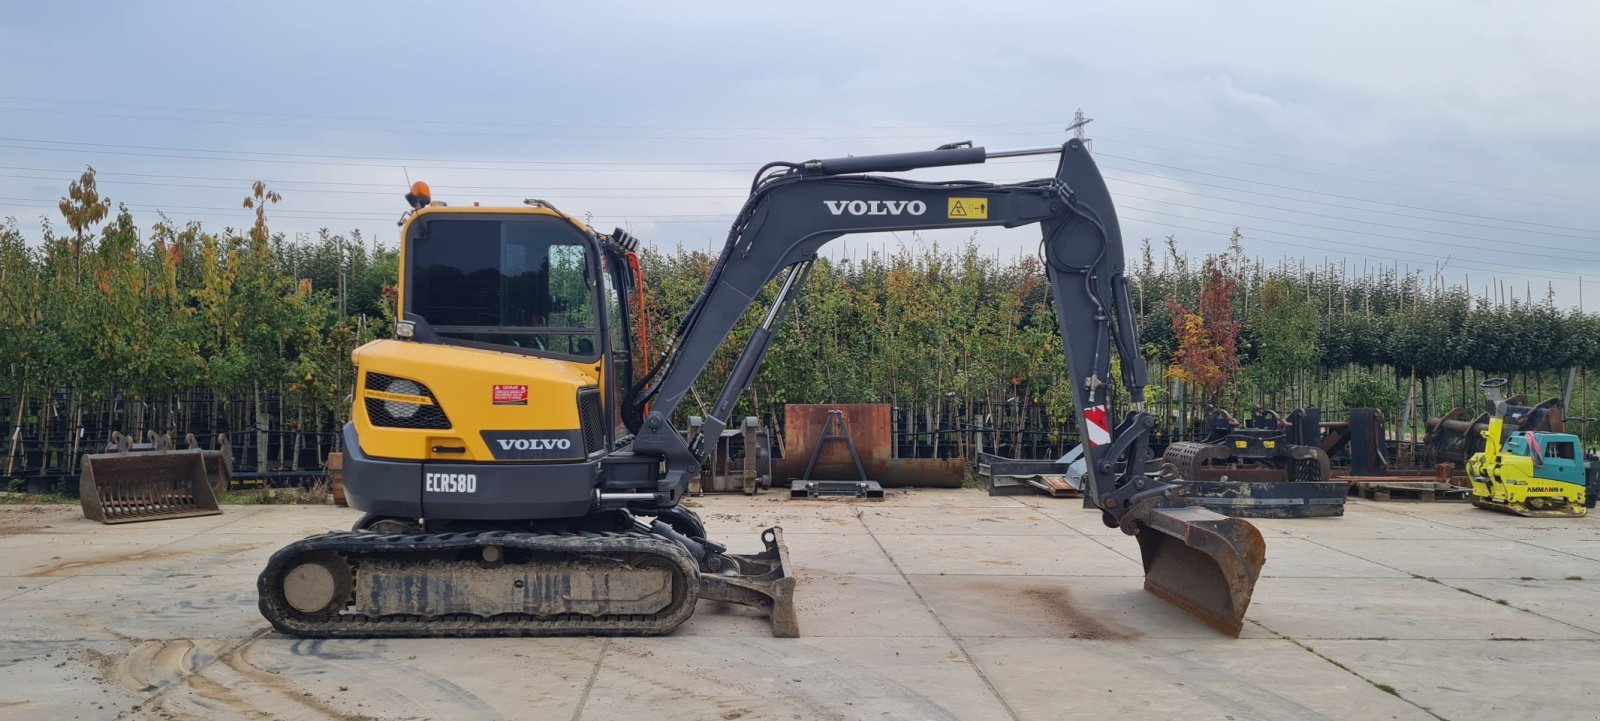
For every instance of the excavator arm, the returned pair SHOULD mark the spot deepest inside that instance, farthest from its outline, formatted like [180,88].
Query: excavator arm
[1200,561]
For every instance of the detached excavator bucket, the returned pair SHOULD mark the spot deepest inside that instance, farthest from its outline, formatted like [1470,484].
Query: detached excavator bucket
[1202,562]
[134,486]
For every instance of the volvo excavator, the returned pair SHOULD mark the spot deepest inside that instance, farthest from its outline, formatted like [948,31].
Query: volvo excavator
[517,480]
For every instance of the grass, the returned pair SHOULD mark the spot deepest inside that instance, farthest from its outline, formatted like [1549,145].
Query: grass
[1574,578]
[34,499]
[1386,688]
[317,495]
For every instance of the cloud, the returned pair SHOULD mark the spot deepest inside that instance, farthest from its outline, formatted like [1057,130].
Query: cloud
[1455,112]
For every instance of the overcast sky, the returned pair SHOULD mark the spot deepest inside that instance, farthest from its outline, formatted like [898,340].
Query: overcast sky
[1448,132]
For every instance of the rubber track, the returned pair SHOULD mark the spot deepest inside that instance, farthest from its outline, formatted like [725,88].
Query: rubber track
[354,545]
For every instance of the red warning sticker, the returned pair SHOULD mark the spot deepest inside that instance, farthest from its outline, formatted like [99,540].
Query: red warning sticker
[510,395]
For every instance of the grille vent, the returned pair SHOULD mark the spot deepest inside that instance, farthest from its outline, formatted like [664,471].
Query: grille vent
[432,417]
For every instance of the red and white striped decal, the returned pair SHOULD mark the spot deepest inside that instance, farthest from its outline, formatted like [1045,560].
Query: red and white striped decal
[1098,430]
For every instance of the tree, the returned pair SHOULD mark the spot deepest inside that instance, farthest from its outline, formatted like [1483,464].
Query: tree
[83,208]
[1285,330]
[1207,354]
[1367,391]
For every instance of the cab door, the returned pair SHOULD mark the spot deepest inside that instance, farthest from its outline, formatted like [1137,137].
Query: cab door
[619,338]
[1562,462]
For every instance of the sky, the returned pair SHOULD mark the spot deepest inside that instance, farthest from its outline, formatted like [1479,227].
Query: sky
[1453,136]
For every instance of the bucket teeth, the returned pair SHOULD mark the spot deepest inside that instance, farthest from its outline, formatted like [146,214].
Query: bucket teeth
[1202,562]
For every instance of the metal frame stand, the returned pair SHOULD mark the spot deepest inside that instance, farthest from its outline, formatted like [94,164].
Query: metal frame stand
[835,428]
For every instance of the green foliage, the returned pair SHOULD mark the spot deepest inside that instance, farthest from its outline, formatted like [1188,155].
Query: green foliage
[1367,391]
[1285,336]
[112,309]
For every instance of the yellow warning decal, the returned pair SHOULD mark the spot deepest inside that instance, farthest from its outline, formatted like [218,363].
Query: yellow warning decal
[1241,444]
[1270,444]
[398,397]
[969,208]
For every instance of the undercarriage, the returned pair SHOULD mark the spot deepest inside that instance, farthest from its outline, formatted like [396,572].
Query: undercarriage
[643,578]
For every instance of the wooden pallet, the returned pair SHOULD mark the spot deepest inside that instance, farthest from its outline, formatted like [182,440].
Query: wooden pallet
[1411,491]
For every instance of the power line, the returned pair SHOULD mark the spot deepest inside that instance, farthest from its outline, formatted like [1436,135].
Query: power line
[1435,261]
[1328,194]
[313,215]
[1392,185]
[357,215]
[1346,207]
[735,196]
[1315,160]
[1362,232]
[480,133]
[399,165]
[361,157]
[1343,245]
[411,121]
[427,121]
[1178,205]
[526,189]
[737,165]
[352,215]
[74,173]
[396,194]
[1133,143]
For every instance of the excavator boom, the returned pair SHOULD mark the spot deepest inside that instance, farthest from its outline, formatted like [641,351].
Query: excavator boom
[1204,563]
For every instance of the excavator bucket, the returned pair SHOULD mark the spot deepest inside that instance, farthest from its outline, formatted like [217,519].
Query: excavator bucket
[125,487]
[1202,562]
[219,462]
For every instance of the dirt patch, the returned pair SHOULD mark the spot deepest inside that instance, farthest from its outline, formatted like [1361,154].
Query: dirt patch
[25,519]
[1058,604]
[100,661]
[283,686]
[154,665]
[79,565]
[18,531]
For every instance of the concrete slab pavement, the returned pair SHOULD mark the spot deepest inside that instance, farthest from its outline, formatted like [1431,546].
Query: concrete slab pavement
[941,604]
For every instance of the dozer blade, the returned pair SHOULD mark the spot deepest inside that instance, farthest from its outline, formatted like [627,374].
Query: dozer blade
[761,581]
[1202,562]
[145,486]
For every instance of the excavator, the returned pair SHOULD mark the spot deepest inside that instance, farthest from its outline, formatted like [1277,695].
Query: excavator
[517,480]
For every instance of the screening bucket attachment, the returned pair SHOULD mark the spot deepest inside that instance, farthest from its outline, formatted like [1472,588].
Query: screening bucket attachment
[219,462]
[1201,561]
[146,486]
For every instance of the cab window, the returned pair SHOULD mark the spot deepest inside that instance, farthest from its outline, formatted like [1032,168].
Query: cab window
[621,372]
[518,283]
[1561,449]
